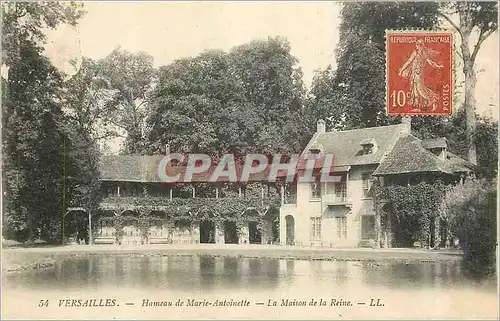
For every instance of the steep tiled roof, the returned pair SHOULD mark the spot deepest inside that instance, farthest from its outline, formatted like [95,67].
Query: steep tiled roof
[346,147]
[368,141]
[409,156]
[145,169]
[130,168]
[457,164]
[397,152]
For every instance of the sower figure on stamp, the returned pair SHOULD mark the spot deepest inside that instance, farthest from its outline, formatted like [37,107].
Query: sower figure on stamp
[422,97]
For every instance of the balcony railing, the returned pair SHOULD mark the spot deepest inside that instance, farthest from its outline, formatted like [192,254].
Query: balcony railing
[335,199]
[150,202]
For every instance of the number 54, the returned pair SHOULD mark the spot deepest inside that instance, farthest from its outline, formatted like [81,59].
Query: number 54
[43,303]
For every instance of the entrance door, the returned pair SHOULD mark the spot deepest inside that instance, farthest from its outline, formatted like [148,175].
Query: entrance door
[131,232]
[255,237]
[77,227]
[290,230]
[230,233]
[207,232]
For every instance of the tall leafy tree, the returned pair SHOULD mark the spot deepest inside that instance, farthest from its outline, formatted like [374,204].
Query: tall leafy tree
[358,84]
[32,144]
[247,100]
[32,136]
[355,91]
[85,100]
[473,17]
[323,101]
[87,96]
[486,137]
[186,101]
[131,76]
[272,84]
[469,209]
[23,24]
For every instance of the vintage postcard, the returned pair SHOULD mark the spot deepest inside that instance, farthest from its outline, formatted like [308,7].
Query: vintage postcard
[249,160]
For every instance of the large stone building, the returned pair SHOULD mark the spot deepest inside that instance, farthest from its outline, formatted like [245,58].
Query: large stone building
[343,214]
[138,208]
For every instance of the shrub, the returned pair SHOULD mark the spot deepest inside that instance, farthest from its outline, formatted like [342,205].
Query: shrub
[470,210]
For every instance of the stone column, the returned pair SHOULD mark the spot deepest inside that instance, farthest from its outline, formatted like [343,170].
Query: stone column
[282,229]
[91,240]
[244,235]
[378,228]
[195,231]
[267,233]
[219,233]
[170,228]
[389,229]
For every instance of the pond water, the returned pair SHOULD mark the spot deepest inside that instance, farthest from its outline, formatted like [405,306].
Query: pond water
[405,290]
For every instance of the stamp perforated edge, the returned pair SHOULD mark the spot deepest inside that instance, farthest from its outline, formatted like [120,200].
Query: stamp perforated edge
[453,66]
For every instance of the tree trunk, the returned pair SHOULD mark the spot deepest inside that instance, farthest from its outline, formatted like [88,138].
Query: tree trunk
[389,228]
[378,223]
[470,86]
[470,111]
[31,228]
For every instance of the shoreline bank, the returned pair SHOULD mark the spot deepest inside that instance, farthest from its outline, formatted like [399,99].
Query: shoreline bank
[21,259]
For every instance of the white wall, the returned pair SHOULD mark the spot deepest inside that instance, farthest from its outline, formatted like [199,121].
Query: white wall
[307,208]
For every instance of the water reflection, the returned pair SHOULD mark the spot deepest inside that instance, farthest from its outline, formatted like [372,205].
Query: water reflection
[206,273]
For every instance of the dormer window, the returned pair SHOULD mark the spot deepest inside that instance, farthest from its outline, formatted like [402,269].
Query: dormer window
[369,146]
[437,151]
[367,149]
[437,146]
[316,148]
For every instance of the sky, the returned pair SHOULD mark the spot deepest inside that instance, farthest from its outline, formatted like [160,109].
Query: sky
[172,30]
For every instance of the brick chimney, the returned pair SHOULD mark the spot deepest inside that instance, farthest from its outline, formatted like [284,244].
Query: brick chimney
[320,126]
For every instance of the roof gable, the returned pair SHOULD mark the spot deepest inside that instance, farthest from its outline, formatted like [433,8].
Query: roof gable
[346,146]
[144,169]
[410,156]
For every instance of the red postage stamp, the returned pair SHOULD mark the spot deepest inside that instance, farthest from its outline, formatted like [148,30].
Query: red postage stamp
[419,73]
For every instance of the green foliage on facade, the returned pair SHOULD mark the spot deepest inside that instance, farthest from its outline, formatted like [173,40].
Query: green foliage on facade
[465,212]
[233,209]
[144,210]
[414,212]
